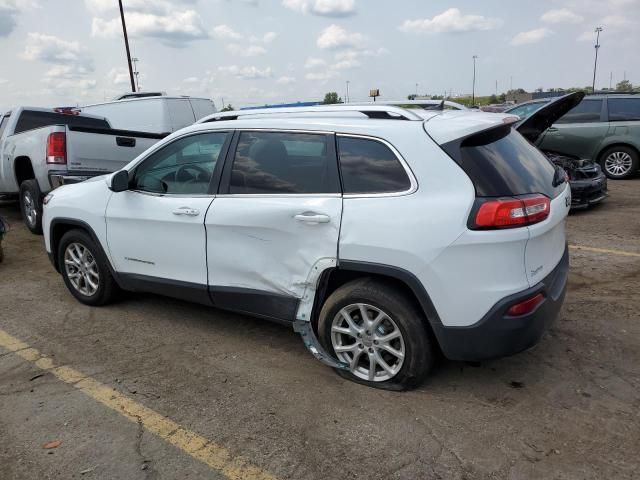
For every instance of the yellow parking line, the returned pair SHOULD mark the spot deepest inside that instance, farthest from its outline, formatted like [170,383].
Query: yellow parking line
[198,447]
[605,250]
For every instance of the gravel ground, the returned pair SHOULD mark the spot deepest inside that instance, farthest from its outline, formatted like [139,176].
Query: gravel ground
[567,409]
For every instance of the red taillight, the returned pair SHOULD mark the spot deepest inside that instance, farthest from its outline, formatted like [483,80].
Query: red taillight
[526,306]
[512,212]
[57,148]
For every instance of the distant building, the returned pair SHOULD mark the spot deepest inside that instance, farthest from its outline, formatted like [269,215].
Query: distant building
[519,97]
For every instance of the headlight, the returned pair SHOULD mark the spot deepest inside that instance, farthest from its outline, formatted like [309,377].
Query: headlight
[47,198]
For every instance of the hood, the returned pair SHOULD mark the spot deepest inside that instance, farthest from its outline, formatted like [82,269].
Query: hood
[537,123]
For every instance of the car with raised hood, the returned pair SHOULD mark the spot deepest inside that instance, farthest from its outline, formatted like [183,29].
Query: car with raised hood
[588,182]
[603,128]
[382,235]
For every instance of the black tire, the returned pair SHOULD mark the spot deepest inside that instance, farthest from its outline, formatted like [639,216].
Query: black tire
[419,346]
[622,151]
[107,288]
[31,205]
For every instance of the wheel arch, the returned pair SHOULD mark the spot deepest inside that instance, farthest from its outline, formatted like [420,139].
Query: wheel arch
[60,226]
[604,148]
[347,270]
[23,170]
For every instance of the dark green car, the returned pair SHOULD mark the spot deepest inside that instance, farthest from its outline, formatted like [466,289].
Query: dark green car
[604,128]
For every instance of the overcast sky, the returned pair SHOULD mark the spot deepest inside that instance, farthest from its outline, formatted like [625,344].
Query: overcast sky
[67,52]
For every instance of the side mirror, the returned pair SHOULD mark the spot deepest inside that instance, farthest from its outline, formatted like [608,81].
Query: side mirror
[120,181]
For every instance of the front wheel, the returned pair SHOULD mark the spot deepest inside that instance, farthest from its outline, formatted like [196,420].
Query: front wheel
[85,270]
[379,332]
[31,205]
[619,162]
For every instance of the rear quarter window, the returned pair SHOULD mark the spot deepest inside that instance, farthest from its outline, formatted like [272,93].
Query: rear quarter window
[369,166]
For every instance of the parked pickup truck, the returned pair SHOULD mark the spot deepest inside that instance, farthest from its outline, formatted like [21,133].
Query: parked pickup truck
[41,149]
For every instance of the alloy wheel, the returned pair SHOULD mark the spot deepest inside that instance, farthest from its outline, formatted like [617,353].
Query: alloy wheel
[30,210]
[81,269]
[369,341]
[618,163]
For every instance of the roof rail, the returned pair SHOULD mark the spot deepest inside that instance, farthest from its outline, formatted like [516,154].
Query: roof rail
[613,92]
[372,111]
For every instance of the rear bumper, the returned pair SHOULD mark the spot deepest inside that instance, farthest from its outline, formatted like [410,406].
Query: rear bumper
[498,335]
[587,192]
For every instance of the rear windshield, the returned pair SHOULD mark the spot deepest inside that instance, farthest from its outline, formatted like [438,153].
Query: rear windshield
[30,119]
[501,162]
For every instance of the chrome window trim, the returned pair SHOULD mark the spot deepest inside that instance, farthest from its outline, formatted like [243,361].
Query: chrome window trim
[413,187]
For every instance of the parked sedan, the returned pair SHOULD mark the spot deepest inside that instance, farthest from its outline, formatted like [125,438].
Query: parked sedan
[588,183]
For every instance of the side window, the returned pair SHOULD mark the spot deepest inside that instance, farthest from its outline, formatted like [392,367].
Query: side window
[185,166]
[284,163]
[369,166]
[587,111]
[624,109]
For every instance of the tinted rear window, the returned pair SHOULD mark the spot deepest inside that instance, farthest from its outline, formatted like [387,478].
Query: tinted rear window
[30,119]
[501,162]
[587,111]
[624,109]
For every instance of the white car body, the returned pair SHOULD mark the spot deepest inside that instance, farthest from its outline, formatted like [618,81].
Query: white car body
[241,248]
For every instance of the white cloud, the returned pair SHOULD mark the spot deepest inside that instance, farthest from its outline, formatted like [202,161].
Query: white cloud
[172,25]
[119,76]
[246,51]
[531,36]
[247,73]
[322,76]
[325,8]
[451,20]
[313,62]
[225,32]
[9,12]
[561,15]
[335,37]
[285,80]
[269,37]
[54,50]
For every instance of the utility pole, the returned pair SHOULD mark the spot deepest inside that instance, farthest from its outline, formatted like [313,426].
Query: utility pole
[595,63]
[417,90]
[511,82]
[126,44]
[136,72]
[346,100]
[610,80]
[473,91]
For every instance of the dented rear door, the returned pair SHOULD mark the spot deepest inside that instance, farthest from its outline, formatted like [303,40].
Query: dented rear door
[277,215]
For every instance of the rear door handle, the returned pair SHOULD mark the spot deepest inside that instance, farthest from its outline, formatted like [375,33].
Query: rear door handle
[552,129]
[312,217]
[190,212]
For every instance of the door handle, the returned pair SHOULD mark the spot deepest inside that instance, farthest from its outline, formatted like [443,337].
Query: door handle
[311,217]
[552,129]
[190,212]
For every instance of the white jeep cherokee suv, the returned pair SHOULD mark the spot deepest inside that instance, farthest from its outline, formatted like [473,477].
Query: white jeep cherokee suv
[381,234]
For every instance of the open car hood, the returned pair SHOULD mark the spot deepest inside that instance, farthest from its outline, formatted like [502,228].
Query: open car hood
[533,126]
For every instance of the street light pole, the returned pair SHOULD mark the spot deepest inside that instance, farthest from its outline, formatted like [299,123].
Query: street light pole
[346,100]
[126,44]
[417,90]
[473,91]
[595,63]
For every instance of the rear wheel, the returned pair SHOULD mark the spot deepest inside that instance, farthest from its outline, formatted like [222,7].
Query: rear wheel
[378,331]
[85,270]
[31,205]
[619,162]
